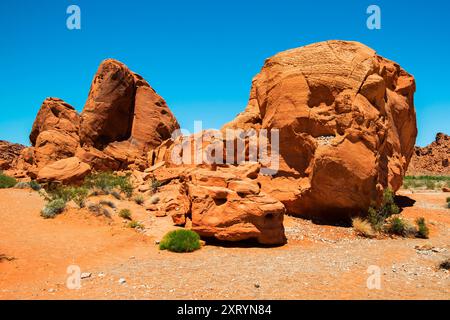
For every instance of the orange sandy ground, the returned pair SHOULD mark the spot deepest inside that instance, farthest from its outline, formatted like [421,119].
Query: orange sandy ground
[319,262]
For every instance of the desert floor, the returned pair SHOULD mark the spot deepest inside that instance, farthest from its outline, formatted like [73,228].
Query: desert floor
[319,262]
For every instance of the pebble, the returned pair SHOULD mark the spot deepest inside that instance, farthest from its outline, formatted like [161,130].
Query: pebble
[122,281]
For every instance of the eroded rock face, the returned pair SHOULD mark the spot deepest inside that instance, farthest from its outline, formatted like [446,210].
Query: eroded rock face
[224,204]
[432,159]
[66,171]
[9,153]
[123,118]
[347,126]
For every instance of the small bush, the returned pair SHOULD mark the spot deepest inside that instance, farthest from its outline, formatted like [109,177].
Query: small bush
[139,199]
[22,185]
[422,228]
[136,225]
[363,228]
[35,185]
[98,210]
[154,199]
[448,199]
[77,194]
[108,204]
[53,208]
[107,182]
[156,184]
[116,194]
[125,214]
[445,264]
[180,241]
[430,185]
[377,217]
[6,181]
[396,226]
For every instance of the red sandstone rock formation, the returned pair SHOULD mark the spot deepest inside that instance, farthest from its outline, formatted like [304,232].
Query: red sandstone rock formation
[347,126]
[9,152]
[433,159]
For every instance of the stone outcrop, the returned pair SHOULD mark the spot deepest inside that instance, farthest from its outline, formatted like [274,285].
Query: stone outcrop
[9,153]
[225,204]
[433,159]
[123,118]
[67,171]
[347,126]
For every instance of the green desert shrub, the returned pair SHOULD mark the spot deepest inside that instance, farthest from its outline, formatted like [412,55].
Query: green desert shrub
[396,226]
[35,185]
[125,214]
[180,241]
[156,184]
[430,184]
[135,225]
[6,181]
[139,199]
[53,208]
[69,193]
[377,216]
[107,182]
[422,228]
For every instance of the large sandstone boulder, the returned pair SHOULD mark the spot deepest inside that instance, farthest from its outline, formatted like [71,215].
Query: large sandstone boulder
[122,106]
[225,204]
[108,113]
[347,126]
[54,135]
[66,171]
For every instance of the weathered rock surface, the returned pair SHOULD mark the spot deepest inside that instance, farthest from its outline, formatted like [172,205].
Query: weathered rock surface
[67,171]
[347,126]
[9,153]
[123,118]
[433,159]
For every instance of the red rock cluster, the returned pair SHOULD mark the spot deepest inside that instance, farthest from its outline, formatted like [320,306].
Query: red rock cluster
[9,152]
[123,118]
[347,129]
[433,159]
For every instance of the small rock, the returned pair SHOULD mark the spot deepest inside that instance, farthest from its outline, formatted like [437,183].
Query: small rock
[257,285]
[122,281]
[86,275]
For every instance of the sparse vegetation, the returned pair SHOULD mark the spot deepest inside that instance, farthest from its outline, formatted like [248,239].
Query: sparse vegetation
[6,181]
[22,185]
[139,199]
[35,185]
[108,203]
[98,210]
[363,228]
[125,214]
[426,182]
[53,208]
[396,226]
[422,228]
[69,193]
[107,182]
[136,225]
[154,199]
[180,241]
[445,264]
[156,184]
[377,217]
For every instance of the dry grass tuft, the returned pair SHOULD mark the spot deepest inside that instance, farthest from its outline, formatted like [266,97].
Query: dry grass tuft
[363,228]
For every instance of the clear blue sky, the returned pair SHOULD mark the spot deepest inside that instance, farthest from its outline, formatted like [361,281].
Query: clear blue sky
[201,55]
